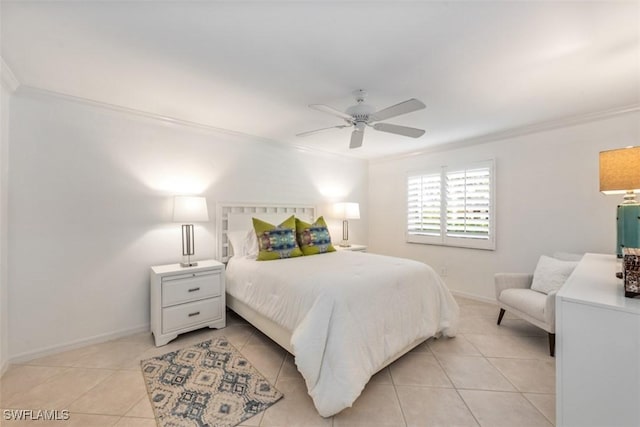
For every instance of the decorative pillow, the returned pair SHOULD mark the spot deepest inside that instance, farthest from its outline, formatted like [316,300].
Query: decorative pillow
[314,238]
[551,273]
[276,242]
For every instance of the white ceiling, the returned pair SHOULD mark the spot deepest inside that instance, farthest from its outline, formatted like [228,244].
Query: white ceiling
[480,67]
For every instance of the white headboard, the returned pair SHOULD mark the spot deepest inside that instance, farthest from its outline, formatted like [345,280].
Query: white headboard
[238,216]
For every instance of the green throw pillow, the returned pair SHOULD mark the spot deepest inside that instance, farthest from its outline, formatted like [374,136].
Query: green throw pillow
[313,238]
[276,242]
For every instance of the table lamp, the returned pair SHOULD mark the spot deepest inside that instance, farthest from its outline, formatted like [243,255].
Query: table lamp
[188,209]
[620,174]
[346,211]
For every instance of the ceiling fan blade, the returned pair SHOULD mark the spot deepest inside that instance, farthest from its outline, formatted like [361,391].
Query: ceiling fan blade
[400,130]
[356,138]
[311,132]
[332,111]
[396,110]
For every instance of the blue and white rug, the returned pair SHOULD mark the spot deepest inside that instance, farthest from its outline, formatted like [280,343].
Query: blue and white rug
[209,384]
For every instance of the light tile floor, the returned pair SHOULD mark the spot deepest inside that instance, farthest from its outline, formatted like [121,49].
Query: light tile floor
[488,375]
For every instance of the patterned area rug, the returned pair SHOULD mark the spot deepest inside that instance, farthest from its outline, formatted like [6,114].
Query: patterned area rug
[209,384]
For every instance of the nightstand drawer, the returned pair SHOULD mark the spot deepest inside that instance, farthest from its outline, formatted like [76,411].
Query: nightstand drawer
[190,287]
[184,315]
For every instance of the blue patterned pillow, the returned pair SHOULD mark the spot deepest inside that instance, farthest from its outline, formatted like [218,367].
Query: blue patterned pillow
[276,242]
[314,238]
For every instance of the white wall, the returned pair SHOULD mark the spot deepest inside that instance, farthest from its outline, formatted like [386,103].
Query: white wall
[90,209]
[547,201]
[4,143]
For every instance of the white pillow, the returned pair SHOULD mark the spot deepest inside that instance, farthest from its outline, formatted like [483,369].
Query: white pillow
[243,243]
[551,273]
[252,248]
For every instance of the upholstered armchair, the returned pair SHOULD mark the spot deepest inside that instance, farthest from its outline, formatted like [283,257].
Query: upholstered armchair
[514,294]
[532,297]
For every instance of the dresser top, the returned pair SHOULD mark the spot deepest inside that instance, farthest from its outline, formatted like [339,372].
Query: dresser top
[176,268]
[594,282]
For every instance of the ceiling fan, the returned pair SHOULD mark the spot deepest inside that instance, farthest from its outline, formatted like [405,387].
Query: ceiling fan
[361,115]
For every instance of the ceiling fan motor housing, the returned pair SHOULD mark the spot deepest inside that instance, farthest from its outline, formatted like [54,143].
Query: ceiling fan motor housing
[360,112]
[360,115]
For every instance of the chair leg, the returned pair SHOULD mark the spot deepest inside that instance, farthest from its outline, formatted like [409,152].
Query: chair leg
[552,344]
[500,315]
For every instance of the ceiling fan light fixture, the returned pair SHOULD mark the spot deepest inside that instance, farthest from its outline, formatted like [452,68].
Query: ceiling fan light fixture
[362,114]
[361,111]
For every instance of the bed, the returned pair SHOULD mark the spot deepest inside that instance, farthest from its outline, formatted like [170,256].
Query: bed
[343,315]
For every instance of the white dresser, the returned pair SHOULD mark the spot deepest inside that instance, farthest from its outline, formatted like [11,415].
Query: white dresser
[184,299]
[597,348]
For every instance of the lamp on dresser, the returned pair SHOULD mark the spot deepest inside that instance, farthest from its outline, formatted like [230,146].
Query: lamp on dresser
[620,174]
[346,211]
[189,209]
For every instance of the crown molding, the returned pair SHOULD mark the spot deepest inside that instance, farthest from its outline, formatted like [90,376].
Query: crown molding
[516,132]
[36,91]
[14,85]
[9,79]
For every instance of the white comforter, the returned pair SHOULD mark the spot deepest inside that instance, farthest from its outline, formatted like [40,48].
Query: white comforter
[348,312]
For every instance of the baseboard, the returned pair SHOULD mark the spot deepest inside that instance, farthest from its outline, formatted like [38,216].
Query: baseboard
[473,297]
[30,355]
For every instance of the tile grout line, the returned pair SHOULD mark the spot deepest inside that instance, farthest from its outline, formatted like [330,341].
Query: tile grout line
[462,335]
[467,406]
[456,388]
[522,393]
[546,357]
[277,376]
[66,369]
[487,358]
[553,422]
[482,355]
[395,391]
[87,391]
[515,387]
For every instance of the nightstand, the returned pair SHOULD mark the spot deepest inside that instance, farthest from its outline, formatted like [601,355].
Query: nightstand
[186,298]
[352,248]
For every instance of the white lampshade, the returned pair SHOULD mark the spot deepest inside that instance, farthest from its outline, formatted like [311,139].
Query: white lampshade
[347,210]
[190,209]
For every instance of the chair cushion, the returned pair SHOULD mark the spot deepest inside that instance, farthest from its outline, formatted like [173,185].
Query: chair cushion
[525,300]
[551,273]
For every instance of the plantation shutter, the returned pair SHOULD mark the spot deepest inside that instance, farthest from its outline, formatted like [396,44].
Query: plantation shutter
[452,206]
[424,205]
[469,203]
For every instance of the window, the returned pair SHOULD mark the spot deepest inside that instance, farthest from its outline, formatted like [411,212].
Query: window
[452,206]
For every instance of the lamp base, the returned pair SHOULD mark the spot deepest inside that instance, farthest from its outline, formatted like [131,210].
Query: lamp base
[344,244]
[628,227]
[188,264]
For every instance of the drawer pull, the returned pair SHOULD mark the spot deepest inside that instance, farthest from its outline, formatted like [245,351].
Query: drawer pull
[194,289]
[194,314]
